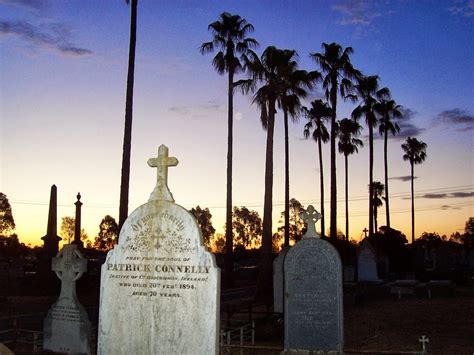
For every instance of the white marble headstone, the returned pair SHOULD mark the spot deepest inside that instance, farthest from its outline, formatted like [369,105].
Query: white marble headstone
[160,287]
[67,328]
[367,262]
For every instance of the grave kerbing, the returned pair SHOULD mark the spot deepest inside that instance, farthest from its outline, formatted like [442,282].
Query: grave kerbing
[160,287]
[313,312]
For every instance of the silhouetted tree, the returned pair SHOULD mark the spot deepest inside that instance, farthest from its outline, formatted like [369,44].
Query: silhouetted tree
[247,227]
[108,233]
[67,229]
[469,227]
[127,135]
[348,144]
[230,39]
[316,115]
[10,246]
[367,90]
[388,111]
[297,226]
[7,223]
[377,199]
[203,218]
[296,83]
[268,70]
[338,72]
[392,242]
[415,153]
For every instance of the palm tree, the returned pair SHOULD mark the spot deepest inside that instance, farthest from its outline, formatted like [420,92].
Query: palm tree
[367,89]
[317,114]
[377,199]
[415,153]
[127,135]
[229,38]
[296,82]
[339,71]
[388,111]
[269,70]
[348,144]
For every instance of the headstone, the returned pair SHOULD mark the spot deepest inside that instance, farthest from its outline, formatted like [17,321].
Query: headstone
[4,350]
[367,262]
[160,287]
[313,292]
[278,281]
[66,327]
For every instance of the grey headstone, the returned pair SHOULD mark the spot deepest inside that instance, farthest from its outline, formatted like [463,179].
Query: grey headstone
[66,327]
[367,262]
[278,281]
[160,287]
[313,293]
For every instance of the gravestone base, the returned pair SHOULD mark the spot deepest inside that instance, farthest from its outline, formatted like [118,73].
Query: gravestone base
[308,352]
[67,328]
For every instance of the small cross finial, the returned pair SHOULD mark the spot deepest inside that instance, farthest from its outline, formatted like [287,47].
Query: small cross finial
[365,230]
[423,340]
[162,162]
[310,217]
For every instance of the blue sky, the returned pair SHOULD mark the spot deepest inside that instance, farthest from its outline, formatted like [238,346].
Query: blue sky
[63,75]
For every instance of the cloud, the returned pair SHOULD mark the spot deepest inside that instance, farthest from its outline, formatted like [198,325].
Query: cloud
[198,111]
[447,195]
[456,117]
[402,178]
[56,36]
[463,8]
[356,12]
[29,4]
[407,129]
[448,207]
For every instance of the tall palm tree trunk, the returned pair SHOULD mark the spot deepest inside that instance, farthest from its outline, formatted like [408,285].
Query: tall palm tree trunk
[371,179]
[287,182]
[265,274]
[228,264]
[412,204]
[321,184]
[347,195]
[333,221]
[127,136]
[385,157]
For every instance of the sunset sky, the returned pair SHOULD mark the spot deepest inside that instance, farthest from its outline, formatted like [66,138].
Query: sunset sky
[62,102]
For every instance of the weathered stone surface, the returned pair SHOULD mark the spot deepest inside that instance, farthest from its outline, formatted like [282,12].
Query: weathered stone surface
[66,327]
[160,288]
[313,293]
[367,262]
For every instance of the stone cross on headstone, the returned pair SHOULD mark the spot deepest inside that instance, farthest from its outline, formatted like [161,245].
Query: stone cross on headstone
[423,340]
[162,163]
[69,266]
[67,328]
[365,230]
[310,217]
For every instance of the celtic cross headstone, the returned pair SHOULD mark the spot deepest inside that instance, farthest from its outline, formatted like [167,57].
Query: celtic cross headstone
[313,292]
[66,327]
[160,287]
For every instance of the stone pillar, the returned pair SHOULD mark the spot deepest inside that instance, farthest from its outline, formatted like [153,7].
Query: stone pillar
[77,228]
[51,239]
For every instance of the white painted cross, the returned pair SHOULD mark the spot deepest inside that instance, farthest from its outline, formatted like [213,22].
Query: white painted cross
[162,162]
[423,340]
[310,217]
[69,265]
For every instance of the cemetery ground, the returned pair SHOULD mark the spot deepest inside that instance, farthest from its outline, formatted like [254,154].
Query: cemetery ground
[374,320]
